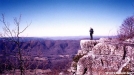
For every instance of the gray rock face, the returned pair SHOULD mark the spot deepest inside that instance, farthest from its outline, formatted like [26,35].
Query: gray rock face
[131,40]
[103,57]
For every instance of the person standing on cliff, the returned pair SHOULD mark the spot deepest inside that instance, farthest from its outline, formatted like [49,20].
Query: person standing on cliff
[91,33]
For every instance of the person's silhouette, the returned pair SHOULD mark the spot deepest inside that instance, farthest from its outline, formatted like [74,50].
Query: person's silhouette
[91,33]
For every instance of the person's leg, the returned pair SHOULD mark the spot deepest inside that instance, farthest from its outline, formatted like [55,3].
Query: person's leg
[90,36]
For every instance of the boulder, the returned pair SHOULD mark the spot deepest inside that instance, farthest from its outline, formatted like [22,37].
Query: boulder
[105,39]
[130,40]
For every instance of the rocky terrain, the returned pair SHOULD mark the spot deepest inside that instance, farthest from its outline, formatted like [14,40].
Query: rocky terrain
[104,57]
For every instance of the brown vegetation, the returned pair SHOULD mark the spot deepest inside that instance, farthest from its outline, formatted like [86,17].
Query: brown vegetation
[126,29]
[77,57]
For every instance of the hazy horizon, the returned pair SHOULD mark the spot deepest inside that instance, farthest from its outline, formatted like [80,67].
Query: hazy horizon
[63,38]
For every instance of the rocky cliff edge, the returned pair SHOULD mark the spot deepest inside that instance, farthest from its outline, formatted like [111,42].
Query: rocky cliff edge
[104,57]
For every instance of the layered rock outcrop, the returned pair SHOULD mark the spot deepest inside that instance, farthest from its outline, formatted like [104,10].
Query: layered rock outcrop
[104,57]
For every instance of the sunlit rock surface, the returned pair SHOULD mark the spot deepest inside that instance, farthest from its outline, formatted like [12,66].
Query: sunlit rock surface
[104,57]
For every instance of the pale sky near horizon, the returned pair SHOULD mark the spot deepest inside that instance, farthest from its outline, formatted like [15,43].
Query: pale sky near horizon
[67,17]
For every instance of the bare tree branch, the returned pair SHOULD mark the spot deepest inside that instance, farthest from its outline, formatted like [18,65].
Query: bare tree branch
[6,25]
[127,29]
[24,28]
[16,39]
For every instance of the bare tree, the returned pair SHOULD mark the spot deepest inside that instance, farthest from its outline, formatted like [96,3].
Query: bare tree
[14,36]
[126,29]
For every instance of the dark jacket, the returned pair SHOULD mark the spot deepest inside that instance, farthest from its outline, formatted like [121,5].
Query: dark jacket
[91,31]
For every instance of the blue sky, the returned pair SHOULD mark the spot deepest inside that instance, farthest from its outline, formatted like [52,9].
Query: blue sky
[67,17]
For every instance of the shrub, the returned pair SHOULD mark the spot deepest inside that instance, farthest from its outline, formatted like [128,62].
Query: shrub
[126,29]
